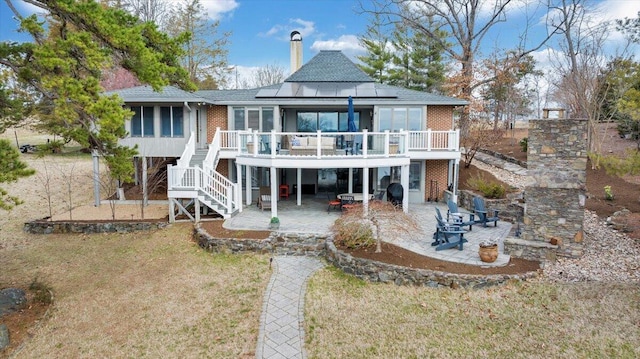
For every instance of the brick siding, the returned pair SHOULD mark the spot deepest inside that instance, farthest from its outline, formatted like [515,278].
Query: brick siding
[437,170]
[440,118]
[216,117]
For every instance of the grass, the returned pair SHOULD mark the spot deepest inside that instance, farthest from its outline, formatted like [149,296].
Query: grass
[153,294]
[519,320]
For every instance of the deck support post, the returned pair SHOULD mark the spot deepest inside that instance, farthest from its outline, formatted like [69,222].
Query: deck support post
[299,186]
[96,177]
[456,176]
[145,194]
[172,210]
[365,189]
[404,179]
[247,184]
[274,192]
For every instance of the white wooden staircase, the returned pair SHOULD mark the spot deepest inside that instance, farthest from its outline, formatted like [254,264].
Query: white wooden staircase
[194,180]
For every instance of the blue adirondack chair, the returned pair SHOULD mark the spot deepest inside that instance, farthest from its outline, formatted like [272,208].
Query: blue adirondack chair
[448,235]
[484,215]
[457,216]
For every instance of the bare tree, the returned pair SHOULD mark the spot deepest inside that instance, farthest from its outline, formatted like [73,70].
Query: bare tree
[481,132]
[156,11]
[467,23]
[579,66]
[45,177]
[377,215]
[69,180]
[268,75]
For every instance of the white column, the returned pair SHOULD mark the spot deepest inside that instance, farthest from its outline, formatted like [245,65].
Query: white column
[299,186]
[247,184]
[145,195]
[365,188]
[404,180]
[456,172]
[172,211]
[274,192]
[350,188]
[96,178]
[238,194]
[197,209]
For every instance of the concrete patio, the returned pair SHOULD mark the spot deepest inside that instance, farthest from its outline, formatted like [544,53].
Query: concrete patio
[312,217]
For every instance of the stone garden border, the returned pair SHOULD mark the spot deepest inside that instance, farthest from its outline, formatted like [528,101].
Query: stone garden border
[365,269]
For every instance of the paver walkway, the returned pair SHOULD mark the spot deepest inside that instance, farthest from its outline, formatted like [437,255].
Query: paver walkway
[281,325]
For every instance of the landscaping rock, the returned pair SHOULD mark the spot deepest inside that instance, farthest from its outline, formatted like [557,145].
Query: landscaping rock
[11,299]
[4,336]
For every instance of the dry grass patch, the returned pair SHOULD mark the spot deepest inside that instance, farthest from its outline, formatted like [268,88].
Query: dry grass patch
[151,294]
[349,318]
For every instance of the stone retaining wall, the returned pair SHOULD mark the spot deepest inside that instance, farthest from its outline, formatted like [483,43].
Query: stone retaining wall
[374,271]
[504,157]
[46,227]
[278,243]
[366,269]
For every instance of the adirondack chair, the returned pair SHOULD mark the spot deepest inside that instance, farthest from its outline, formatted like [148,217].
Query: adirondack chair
[454,214]
[448,235]
[264,202]
[484,215]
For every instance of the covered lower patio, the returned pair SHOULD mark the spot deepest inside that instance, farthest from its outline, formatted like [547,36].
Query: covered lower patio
[311,216]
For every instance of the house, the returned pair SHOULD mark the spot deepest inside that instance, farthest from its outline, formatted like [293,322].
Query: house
[294,139]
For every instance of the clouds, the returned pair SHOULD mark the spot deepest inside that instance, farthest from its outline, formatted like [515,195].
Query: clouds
[282,32]
[218,8]
[348,44]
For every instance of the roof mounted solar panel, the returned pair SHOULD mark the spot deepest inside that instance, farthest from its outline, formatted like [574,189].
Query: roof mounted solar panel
[267,93]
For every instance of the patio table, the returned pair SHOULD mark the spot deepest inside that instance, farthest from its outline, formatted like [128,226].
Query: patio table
[356,196]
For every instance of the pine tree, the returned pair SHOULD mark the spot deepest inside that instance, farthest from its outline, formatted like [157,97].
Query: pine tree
[63,66]
[11,169]
[418,61]
[376,62]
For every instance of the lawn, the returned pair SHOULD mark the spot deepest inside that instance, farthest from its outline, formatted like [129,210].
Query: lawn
[147,294]
[348,318]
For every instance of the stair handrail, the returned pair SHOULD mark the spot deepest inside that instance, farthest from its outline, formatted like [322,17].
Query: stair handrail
[219,186]
[218,189]
[213,154]
[189,151]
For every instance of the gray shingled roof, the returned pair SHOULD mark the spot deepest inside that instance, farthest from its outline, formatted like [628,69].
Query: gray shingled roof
[147,94]
[329,66]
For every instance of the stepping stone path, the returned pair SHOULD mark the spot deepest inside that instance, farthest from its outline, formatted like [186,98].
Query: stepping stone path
[281,326]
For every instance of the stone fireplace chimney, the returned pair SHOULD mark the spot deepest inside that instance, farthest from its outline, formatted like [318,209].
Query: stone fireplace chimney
[296,51]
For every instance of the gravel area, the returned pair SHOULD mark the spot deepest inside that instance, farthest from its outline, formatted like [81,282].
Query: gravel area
[609,255]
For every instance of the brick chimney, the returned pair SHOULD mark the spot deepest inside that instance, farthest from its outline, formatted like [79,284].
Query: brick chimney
[296,51]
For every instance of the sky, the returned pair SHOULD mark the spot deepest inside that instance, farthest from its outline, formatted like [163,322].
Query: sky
[260,29]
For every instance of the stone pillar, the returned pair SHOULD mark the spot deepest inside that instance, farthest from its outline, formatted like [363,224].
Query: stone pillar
[554,212]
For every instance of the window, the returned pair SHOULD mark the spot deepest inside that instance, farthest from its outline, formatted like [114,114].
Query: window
[142,122]
[388,175]
[400,118]
[307,121]
[414,175]
[325,121]
[171,121]
[256,118]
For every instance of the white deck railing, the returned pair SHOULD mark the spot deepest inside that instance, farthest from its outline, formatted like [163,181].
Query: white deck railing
[338,143]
